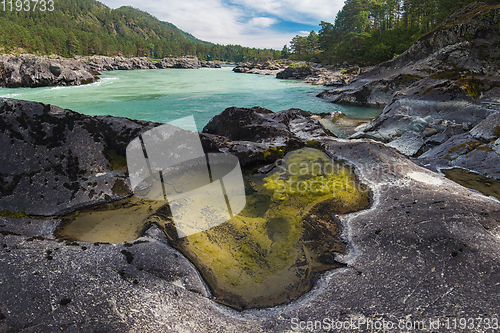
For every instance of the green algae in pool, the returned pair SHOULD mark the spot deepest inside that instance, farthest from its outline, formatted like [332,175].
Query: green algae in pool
[270,252]
[475,181]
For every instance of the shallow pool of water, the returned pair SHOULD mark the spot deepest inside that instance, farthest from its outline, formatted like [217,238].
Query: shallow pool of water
[267,254]
[475,181]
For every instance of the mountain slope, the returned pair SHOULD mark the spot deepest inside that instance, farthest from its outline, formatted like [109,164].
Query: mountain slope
[87,27]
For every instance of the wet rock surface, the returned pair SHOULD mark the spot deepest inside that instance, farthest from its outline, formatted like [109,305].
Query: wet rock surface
[427,248]
[443,86]
[271,252]
[309,72]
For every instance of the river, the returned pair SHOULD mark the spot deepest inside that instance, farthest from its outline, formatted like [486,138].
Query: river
[164,95]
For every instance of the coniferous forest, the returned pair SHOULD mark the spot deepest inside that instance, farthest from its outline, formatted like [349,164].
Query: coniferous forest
[87,27]
[364,32]
[373,31]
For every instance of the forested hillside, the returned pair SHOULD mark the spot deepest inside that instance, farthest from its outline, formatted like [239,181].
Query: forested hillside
[87,27]
[372,31]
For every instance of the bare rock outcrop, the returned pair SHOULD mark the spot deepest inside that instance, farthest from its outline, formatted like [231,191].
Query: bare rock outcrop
[443,86]
[28,70]
[426,250]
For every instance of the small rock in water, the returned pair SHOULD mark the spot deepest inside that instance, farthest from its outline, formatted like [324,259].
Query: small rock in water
[266,169]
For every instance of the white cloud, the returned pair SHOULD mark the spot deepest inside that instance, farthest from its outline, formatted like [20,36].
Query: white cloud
[262,22]
[301,11]
[250,23]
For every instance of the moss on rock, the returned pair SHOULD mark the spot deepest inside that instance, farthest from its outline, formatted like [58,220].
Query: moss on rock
[16,215]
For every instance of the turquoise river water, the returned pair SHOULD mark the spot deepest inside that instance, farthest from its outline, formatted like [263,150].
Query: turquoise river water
[164,95]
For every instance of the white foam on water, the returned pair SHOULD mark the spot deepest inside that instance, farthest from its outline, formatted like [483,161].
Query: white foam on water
[10,95]
[104,80]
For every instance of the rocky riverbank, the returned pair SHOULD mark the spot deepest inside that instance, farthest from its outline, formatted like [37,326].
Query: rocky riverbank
[425,250]
[441,97]
[309,72]
[103,63]
[28,70]
[410,255]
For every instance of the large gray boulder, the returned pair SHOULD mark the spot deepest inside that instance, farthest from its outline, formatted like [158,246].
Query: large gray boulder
[261,125]
[488,129]
[56,161]
[408,144]
[295,73]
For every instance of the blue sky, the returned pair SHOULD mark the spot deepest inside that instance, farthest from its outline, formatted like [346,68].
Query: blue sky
[252,23]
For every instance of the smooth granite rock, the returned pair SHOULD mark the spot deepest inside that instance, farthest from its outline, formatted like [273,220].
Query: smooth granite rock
[488,129]
[426,249]
[496,147]
[463,151]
